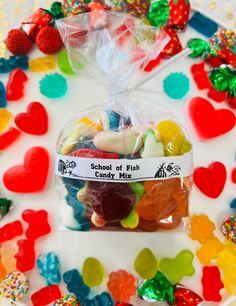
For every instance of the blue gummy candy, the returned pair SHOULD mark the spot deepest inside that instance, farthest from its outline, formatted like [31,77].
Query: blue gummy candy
[7,65]
[3,100]
[85,143]
[203,25]
[49,268]
[176,85]
[53,86]
[232,204]
[75,284]
[103,299]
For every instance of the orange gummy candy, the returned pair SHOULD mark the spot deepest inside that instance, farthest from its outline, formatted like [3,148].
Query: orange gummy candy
[202,228]
[164,202]
[209,250]
[122,285]
[3,271]
[8,258]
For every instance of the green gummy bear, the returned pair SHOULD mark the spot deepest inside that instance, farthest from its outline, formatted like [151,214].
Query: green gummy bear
[146,264]
[178,267]
[93,272]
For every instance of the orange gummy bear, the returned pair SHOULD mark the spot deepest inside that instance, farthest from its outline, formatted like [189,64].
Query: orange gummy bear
[163,203]
[209,250]
[122,285]
[202,228]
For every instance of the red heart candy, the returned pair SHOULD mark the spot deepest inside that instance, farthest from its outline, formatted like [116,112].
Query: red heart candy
[208,122]
[233,175]
[211,180]
[34,121]
[30,177]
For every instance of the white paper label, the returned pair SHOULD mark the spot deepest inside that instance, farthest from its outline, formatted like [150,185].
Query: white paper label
[124,170]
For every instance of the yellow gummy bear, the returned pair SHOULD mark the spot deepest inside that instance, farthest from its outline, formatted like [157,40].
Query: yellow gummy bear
[229,280]
[5,117]
[226,260]
[201,228]
[173,138]
[42,64]
[209,251]
[132,221]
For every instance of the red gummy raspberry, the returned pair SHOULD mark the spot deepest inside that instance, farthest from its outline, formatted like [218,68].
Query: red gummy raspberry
[49,40]
[18,42]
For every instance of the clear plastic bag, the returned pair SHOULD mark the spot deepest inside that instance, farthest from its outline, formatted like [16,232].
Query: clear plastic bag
[124,165]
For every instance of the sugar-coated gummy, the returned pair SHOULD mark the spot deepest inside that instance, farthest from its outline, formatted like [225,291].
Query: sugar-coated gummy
[53,86]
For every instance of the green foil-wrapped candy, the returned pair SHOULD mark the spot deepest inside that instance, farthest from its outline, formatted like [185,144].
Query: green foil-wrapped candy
[224,78]
[158,13]
[157,289]
[5,205]
[200,48]
[56,10]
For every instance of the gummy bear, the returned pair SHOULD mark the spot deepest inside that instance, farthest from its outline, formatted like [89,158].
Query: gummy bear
[36,229]
[15,84]
[178,267]
[10,231]
[9,137]
[93,272]
[121,285]
[202,228]
[25,257]
[103,299]
[75,284]
[5,117]
[63,62]
[173,138]
[209,250]
[8,259]
[112,201]
[211,284]
[164,200]
[49,268]
[46,295]
[3,100]
[42,64]
[146,264]
[7,65]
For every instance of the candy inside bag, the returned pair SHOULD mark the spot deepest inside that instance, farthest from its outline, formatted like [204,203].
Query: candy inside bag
[124,165]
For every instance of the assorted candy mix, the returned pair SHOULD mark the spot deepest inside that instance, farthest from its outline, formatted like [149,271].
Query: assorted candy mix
[124,165]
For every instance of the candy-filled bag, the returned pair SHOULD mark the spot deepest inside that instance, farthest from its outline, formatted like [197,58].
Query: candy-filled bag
[124,165]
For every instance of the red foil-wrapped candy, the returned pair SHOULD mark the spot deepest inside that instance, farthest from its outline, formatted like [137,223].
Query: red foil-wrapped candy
[186,297]
[39,19]
[179,11]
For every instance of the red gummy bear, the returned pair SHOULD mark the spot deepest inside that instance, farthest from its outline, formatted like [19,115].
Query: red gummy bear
[46,295]
[38,223]
[10,231]
[211,284]
[200,76]
[9,137]
[25,257]
[34,121]
[208,122]
[15,84]
[211,180]
[90,153]
[30,177]
[233,175]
